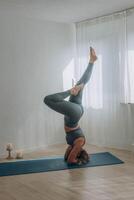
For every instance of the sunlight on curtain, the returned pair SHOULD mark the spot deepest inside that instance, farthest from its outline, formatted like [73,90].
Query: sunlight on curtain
[68,75]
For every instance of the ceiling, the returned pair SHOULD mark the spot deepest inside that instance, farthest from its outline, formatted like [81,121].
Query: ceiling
[65,10]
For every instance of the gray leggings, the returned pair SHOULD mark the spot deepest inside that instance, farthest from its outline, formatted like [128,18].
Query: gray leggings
[72,109]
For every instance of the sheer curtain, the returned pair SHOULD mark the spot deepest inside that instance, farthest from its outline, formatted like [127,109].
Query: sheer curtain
[107,121]
[130,55]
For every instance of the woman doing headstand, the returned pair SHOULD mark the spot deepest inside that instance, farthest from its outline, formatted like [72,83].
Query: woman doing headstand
[73,111]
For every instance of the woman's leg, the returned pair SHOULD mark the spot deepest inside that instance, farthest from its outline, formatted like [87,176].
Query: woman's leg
[56,102]
[85,78]
[71,109]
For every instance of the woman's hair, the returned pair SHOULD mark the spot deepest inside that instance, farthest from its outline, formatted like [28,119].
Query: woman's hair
[83,157]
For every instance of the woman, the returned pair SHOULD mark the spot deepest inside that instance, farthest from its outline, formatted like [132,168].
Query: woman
[73,111]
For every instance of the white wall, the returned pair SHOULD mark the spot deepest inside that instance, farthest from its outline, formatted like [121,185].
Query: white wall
[33,56]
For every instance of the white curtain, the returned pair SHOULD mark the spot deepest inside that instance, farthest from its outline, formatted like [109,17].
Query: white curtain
[130,55]
[108,120]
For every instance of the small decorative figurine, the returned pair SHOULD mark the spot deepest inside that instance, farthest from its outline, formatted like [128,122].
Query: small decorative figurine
[19,154]
[9,148]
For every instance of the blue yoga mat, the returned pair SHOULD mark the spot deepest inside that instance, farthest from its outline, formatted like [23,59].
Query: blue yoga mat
[54,164]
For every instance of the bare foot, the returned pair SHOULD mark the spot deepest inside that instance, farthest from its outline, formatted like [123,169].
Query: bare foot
[76,89]
[93,56]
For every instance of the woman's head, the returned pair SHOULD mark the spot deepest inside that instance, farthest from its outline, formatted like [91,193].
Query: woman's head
[83,157]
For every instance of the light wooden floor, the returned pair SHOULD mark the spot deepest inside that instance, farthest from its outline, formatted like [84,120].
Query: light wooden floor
[114,182]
